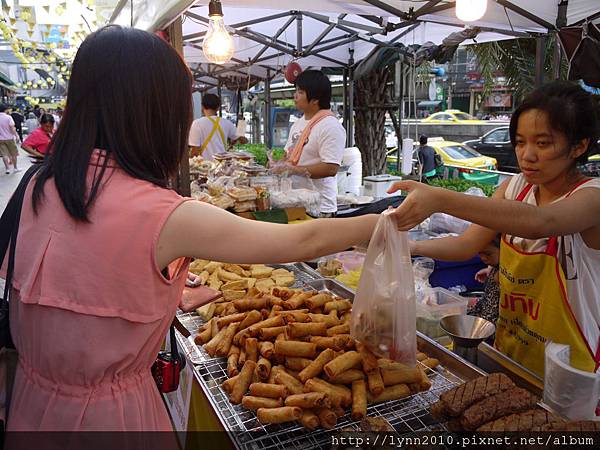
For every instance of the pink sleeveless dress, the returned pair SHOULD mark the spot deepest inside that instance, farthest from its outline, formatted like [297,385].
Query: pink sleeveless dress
[92,309]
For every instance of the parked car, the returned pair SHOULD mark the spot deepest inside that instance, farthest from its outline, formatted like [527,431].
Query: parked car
[592,167]
[456,154]
[496,144]
[452,116]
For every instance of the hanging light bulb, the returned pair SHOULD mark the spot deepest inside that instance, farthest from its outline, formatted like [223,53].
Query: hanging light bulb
[470,10]
[218,44]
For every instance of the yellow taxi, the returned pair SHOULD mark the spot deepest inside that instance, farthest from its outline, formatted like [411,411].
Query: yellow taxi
[452,116]
[457,154]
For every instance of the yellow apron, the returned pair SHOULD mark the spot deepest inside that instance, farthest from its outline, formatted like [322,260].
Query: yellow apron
[216,127]
[534,308]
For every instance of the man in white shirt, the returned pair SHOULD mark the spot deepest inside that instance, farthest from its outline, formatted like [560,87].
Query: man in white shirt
[209,134]
[322,154]
[8,135]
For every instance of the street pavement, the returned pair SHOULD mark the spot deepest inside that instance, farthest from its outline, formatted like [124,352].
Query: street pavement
[8,184]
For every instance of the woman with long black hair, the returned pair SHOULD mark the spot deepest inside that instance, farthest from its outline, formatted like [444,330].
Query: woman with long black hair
[104,244]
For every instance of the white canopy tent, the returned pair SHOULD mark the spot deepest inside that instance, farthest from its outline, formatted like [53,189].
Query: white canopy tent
[337,33]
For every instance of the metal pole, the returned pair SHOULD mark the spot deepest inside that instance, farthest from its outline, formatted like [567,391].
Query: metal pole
[267,118]
[399,79]
[219,92]
[345,103]
[350,129]
[539,60]
[299,34]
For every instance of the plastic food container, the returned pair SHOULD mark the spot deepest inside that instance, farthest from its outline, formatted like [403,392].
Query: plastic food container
[434,304]
[351,260]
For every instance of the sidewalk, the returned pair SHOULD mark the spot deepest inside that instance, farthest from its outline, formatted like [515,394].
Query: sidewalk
[8,184]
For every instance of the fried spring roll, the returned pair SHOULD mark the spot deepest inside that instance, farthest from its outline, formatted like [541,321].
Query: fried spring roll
[317,301]
[243,382]
[292,385]
[338,395]
[265,313]
[297,363]
[266,349]
[359,400]
[395,392]
[309,420]
[251,402]
[227,339]
[407,375]
[328,320]
[339,305]
[274,310]
[232,361]
[432,363]
[228,384]
[297,300]
[339,329]
[268,390]
[336,343]
[242,358]
[308,400]
[252,317]
[421,356]
[276,321]
[346,317]
[223,321]
[279,415]
[347,377]
[230,310]
[204,336]
[263,368]
[247,304]
[316,366]
[368,359]
[251,347]
[270,332]
[342,363]
[375,383]
[240,337]
[298,329]
[339,411]
[327,418]
[296,317]
[211,346]
[214,328]
[296,348]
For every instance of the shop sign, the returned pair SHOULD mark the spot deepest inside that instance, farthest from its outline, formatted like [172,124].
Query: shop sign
[498,101]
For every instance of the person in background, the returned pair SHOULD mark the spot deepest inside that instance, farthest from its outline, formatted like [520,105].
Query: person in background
[18,119]
[31,122]
[37,111]
[209,134]
[36,144]
[8,135]
[426,156]
[316,143]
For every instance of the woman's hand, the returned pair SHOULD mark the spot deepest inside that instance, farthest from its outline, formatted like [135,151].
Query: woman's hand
[483,274]
[421,202]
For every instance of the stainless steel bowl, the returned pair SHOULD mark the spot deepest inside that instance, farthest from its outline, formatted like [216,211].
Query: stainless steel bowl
[467,331]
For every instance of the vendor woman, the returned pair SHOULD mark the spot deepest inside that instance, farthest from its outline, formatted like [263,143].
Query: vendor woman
[549,215]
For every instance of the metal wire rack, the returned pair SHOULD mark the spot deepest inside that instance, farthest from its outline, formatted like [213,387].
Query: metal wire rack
[406,416]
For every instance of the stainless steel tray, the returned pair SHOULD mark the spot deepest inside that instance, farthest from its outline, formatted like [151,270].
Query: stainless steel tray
[332,286]
[406,416]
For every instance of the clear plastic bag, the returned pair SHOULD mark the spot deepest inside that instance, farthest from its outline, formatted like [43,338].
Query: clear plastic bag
[445,223]
[383,313]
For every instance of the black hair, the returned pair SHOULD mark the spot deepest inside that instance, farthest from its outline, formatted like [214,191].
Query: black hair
[130,95]
[3,107]
[570,110]
[423,140]
[317,87]
[211,101]
[46,118]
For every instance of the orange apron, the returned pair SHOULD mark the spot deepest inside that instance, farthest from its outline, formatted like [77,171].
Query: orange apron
[534,308]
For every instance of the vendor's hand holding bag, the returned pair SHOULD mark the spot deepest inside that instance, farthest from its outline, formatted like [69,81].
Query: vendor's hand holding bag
[9,229]
[383,312]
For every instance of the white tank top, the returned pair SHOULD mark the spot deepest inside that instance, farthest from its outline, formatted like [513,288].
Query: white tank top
[580,263]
